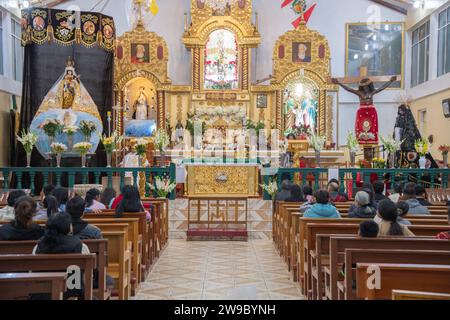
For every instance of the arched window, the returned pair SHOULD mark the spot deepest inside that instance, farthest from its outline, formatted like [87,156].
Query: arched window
[221,61]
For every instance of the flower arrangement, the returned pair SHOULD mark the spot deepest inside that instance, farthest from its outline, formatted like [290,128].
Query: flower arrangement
[352,142]
[364,164]
[255,126]
[28,140]
[162,139]
[162,187]
[70,130]
[87,128]
[378,163]
[82,147]
[271,188]
[444,149]
[141,147]
[110,143]
[316,141]
[52,127]
[58,148]
[390,144]
[421,146]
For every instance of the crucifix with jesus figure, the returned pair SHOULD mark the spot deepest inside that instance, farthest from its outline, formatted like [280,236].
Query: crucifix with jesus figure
[366,124]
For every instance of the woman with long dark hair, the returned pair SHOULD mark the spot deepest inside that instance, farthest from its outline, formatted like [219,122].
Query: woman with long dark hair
[389,226]
[107,197]
[22,227]
[62,196]
[92,201]
[131,201]
[50,208]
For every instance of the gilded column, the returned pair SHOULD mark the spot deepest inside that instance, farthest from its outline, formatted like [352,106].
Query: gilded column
[279,113]
[161,113]
[244,70]
[196,68]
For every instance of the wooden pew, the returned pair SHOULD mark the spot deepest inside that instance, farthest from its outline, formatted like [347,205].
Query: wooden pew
[146,245]
[418,295]
[338,245]
[132,235]
[51,262]
[428,277]
[20,285]
[119,265]
[311,271]
[97,246]
[354,256]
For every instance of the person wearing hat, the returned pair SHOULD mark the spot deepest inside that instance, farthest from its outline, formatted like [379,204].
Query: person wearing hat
[362,207]
[366,125]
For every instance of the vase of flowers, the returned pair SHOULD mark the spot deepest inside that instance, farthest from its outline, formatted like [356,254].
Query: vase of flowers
[87,128]
[392,146]
[444,149]
[58,149]
[70,131]
[271,188]
[82,148]
[378,163]
[51,128]
[110,144]
[162,140]
[421,146]
[353,147]
[141,149]
[317,143]
[28,141]
[162,187]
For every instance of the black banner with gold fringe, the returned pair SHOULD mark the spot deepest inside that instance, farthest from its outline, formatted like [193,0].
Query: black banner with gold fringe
[65,27]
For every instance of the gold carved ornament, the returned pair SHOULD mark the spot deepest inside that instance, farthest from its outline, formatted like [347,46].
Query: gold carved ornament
[285,70]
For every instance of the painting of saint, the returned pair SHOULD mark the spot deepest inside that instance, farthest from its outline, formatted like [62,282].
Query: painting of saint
[89,28]
[140,53]
[38,23]
[301,52]
[261,101]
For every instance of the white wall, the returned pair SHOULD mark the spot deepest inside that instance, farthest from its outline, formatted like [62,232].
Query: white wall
[329,18]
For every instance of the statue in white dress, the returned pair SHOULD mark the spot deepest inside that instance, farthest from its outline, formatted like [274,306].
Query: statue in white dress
[141,105]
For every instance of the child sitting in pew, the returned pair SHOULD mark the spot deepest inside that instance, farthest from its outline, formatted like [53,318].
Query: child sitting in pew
[309,199]
[445,235]
[402,210]
[387,219]
[92,199]
[368,229]
[322,208]
[22,227]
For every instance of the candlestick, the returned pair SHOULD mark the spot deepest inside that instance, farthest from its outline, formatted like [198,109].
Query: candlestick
[108,118]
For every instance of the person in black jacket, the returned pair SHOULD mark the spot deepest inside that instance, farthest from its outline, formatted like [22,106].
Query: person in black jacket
[421,196]
[58,240]
[22,227]
[362,207]
[81,229]
[378,188]
[296,194]
[285,191]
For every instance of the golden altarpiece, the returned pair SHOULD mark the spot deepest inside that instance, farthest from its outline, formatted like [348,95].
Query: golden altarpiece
[221,93]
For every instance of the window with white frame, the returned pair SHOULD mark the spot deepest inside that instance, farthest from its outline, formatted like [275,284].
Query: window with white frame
[420,60]
[444,42]
[16,50]
[1,42]
[423,121]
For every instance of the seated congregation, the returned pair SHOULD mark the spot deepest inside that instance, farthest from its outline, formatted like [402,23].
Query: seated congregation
[331,244]
[113,238]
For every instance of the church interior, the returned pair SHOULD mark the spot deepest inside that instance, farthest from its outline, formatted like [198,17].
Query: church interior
[224,150]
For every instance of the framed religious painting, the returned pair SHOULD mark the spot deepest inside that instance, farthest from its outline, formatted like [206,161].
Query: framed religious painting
[301,52]
[140,53]
[261,101]
[375,49]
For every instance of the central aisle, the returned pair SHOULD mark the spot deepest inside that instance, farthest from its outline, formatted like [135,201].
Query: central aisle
[219,271]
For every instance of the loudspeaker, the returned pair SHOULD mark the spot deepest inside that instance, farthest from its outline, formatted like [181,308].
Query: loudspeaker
[446,108]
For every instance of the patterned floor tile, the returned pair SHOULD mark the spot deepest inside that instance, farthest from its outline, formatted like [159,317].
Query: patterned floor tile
[190,270]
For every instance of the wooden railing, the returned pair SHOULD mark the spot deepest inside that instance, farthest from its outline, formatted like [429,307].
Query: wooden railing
[25,178]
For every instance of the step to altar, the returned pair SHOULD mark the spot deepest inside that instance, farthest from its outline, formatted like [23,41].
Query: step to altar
[217,234]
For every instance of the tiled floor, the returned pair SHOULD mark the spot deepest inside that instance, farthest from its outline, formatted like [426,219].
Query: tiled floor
[219,271]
